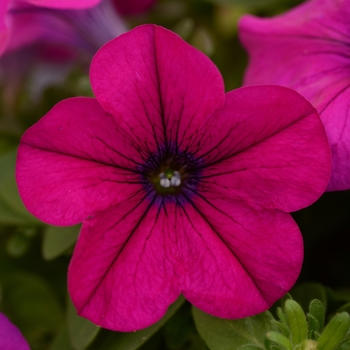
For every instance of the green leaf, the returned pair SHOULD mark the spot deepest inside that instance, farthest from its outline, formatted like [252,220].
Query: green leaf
[296,321]
[334,332]
[17,245]
[314,326]
[133,340]
[58,239]
[178,330]
[32,305]
[304,293]
[308,344]
[280,339]
[61,341]
[344,346]
[223,334]
[250,347]
[282,316]
[12,210]
[345,307]
[80,330]
[317,310]
[283,328]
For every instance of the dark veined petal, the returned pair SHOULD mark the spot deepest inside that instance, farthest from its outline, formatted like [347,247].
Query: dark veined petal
[75,161]
[157,85]
[270,153]
[122,275]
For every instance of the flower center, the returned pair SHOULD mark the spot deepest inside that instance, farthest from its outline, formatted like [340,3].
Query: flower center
[170,178]
[171,174]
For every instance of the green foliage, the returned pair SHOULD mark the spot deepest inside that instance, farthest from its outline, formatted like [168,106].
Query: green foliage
[32,305]
[292,331]
[222,334]
[334,332]
[12,210]
[133,340]
[57,240]
[81,332]
[296,321]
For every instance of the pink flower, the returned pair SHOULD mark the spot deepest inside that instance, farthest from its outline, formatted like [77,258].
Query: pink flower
[131,7]
[307,49]
[180,188]
[82,30]
[10,337]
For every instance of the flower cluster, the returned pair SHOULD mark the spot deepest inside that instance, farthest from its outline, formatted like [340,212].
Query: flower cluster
[181,188]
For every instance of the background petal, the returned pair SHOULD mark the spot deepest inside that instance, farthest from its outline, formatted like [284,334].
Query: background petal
[131,7]
[157,84]
[307,49]
[121,275]
[3,25]
[10,336]
[75,161]
[263,153]
[65,4]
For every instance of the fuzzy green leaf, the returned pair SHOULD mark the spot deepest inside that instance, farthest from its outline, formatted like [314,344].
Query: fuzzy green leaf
[317,310]
[296,321]
[223,334]
[282,316]
[280,339]
[282,328]
[334,332]
[314,326]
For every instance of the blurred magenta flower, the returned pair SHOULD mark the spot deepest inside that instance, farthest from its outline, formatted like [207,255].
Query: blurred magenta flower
[10,337]
[82,30]
[181,188]
[307,49]
[132,7]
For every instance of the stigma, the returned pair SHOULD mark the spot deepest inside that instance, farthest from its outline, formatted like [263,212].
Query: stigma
[170,178]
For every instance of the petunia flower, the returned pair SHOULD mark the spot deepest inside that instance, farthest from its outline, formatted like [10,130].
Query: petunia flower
[10,337]
[83,31]
[181,188]
[307,49]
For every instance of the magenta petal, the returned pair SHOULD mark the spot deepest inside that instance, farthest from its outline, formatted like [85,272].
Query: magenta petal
[121,275]
[240,257]
[10,336]
[136,78]
[71,161]
[215,255]
[131,7]
[264,152]
[65,4]
[4,32]
[307,49]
